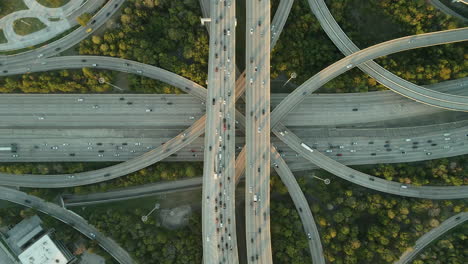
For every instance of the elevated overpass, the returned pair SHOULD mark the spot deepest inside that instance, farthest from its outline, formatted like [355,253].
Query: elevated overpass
[388,79]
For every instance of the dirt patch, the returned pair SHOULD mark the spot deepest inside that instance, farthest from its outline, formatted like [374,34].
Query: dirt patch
[176,217]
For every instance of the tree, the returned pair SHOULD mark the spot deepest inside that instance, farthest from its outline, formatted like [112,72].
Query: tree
[83,19]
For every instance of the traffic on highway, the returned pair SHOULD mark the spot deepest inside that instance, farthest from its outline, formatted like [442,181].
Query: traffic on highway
[288,132]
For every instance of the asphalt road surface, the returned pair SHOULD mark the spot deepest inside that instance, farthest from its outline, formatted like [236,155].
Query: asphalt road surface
[218,208]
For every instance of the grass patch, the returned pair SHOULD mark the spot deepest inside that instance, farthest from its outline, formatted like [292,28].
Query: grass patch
[27,25]
[10,6]
[54,19]
[53,3]
[2,37]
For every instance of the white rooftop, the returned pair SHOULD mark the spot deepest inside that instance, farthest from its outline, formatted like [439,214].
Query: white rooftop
[43,251]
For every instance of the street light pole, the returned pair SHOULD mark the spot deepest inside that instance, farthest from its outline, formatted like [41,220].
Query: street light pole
[101,80]
[293,76]
[326,181]
[145,217]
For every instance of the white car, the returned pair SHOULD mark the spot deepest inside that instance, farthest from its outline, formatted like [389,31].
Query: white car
[328,150]
[251,31]
[41,118]
[349,66]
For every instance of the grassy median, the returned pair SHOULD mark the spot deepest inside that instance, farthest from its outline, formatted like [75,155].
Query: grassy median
[27,25]
[53,3]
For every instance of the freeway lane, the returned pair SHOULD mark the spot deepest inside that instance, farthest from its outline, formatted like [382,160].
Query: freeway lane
[279,20]
[395,83]
[386,48]
[68,217]
[170,111]
[302,206]
[257,171]
[432,235]
[124,168]
[218,208]
[368,181]
[387,144]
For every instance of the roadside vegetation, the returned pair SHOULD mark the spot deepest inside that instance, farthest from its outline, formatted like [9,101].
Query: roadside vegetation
[449,249]
[10,6]
[64,81]
[53,3]
[148,242]
[163,33]
[27,25]
[356,225]
[305,49]
[449,171]
[83,19]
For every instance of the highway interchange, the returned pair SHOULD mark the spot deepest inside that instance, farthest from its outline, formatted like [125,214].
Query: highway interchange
[257,122]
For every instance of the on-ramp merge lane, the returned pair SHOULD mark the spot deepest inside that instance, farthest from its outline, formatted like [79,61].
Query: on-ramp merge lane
[302,206]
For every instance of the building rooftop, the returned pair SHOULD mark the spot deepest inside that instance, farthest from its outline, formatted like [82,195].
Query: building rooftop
[20,234]
[43,251]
